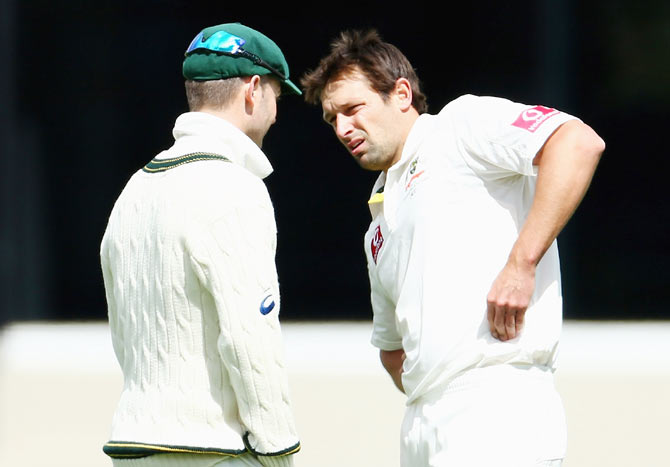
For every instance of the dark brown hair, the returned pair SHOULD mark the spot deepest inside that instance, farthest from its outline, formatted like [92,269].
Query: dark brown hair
[380,62]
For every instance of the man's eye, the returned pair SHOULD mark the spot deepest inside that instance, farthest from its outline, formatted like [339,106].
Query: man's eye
[353,109]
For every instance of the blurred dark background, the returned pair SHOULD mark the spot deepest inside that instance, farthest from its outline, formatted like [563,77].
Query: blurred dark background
[90,90]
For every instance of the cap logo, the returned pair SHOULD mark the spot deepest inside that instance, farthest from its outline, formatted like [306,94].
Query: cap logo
[531,119]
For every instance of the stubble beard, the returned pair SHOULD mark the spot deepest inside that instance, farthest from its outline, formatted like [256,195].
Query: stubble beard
[376,158]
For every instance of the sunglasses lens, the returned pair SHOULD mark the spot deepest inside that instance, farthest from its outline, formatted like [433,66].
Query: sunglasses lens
[220,41]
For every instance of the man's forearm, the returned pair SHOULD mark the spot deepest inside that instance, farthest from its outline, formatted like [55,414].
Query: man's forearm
[566,166]
[392,360]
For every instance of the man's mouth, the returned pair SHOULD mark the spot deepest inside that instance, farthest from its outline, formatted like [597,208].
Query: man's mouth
[355,146]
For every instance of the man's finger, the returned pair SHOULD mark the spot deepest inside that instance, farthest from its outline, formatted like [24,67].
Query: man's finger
[490,315]
[510,324]
[499,322]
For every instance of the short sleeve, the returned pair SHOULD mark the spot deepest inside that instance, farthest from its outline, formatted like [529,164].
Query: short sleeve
[498,134]
[385,335]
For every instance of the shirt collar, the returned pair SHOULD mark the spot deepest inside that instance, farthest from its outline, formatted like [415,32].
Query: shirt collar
[417,135]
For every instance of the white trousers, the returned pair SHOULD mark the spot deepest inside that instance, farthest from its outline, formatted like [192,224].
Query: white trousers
[500,416]
[189,460]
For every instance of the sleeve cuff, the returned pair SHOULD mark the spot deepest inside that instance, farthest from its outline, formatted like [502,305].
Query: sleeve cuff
[281,458]
[385,344]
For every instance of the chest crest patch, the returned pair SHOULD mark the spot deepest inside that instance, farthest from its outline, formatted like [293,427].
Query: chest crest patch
[377,242]
[412,174]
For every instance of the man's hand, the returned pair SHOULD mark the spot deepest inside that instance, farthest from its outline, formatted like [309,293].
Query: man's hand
[508,299]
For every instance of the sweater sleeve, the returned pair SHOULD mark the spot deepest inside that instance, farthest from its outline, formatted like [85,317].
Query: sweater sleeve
[234,257]
[111,292]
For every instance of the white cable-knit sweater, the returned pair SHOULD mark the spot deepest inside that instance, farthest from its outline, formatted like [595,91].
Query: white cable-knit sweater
[193,300]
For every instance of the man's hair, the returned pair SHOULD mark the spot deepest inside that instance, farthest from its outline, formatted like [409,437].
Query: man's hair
[380,62]
[215,94]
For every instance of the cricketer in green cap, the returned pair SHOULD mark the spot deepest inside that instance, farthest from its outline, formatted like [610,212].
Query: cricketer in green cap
[232,50]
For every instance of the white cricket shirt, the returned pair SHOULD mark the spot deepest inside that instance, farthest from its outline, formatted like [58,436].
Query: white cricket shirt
[451,210]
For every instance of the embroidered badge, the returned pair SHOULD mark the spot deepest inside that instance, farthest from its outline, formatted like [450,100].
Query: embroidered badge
[412,174]
[412,166]
[531,119]
[267,304]
[377,242]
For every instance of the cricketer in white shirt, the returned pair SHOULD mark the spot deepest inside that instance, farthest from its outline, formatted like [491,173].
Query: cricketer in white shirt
[444,219]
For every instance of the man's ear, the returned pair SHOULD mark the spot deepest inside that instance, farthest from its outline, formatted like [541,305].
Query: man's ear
[403,93]
[252,89]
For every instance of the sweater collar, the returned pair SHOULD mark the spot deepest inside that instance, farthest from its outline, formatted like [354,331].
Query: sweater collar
[203,132]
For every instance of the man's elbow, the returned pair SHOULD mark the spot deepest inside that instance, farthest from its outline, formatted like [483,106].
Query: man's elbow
[591,144]
[576,139]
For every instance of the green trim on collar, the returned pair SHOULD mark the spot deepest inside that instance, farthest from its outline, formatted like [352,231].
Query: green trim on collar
[161,165]
[132,450]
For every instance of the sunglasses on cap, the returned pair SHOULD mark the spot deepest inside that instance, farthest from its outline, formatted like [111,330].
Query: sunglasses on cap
[228,44]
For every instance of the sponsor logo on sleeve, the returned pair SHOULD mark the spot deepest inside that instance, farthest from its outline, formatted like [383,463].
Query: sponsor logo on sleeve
[377,242]
[531,119]
[267,304]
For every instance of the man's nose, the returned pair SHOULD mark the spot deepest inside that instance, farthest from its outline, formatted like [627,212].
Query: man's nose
[343,126]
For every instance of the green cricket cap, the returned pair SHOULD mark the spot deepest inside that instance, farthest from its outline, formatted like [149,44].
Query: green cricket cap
[232,49]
